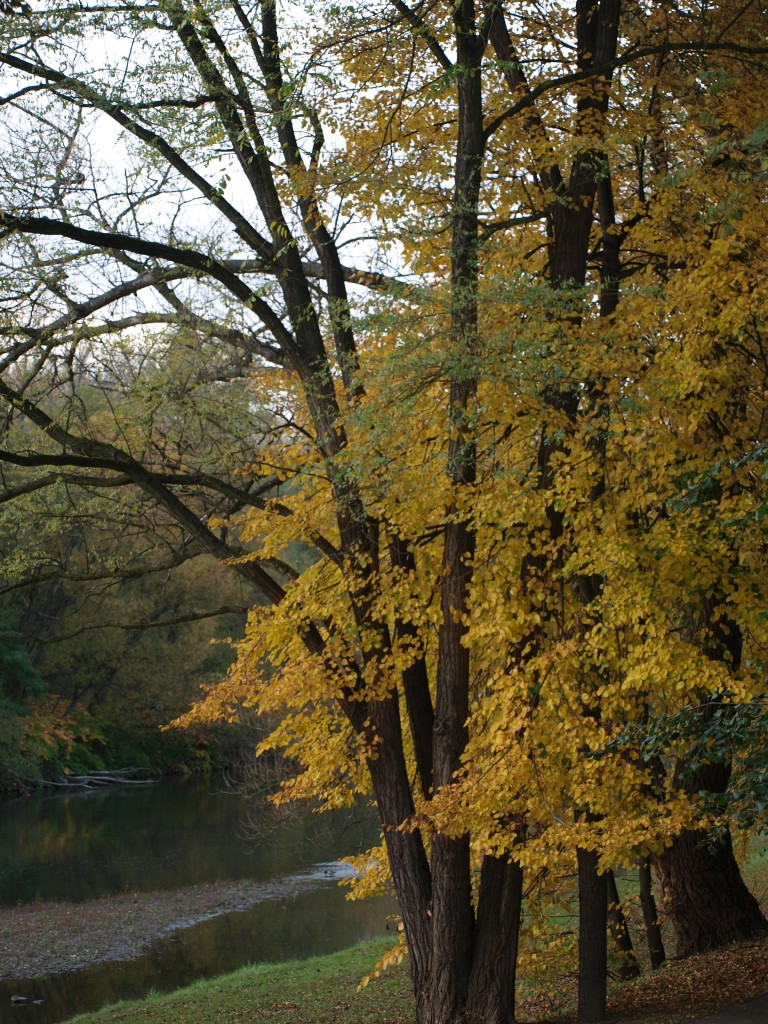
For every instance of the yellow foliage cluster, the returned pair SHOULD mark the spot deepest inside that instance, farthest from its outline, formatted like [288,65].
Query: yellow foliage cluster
[668,384]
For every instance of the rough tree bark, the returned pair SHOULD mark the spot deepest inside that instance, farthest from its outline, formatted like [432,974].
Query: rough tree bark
[628,966]
[704,893]
[473,955]
[656,952]
[593,944]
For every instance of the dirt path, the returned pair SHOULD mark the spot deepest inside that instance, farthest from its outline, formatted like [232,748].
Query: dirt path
[46,938]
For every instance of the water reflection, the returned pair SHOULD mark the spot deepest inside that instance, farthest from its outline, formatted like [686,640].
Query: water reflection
[312,923]
[180,832]
[176,834]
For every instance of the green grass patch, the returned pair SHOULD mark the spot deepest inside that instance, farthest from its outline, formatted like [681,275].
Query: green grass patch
[322,990]
[757,857]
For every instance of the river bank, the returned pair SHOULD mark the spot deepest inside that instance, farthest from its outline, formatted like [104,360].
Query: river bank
[53,937]
[48,938]
[324,990]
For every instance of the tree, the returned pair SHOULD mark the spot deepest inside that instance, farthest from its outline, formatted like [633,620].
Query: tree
[117,609]
[19,681]
[481,448]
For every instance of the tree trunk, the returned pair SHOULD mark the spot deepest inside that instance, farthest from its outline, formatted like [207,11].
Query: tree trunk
[593,939]
[628,966]
[479,987]
[405,849]
[452,933]
[656,952]
[704,894]
[491,998]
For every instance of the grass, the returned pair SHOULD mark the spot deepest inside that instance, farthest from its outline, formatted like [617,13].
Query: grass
[324,990]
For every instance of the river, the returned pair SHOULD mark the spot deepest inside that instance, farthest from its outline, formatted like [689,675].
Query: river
[179,833]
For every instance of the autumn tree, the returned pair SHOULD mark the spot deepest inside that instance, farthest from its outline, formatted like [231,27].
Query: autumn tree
[114,602]
[495,275]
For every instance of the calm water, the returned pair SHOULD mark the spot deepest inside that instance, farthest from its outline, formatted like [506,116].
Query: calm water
[174,834]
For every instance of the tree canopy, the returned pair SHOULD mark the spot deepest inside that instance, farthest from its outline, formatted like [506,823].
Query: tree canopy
[432,322]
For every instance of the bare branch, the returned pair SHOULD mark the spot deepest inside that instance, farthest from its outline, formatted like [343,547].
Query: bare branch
[422,31]
[191,258]
[629,57]
[246,230]
[144,624]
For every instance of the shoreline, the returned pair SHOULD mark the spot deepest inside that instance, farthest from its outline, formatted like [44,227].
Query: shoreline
[41,939]
[680,991]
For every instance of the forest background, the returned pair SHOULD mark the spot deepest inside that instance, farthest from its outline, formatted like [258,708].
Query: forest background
[441,328]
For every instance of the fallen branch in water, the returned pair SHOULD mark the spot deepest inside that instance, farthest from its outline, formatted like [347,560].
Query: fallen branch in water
[118,777]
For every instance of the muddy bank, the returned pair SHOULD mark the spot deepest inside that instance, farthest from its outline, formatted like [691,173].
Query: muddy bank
[47,938]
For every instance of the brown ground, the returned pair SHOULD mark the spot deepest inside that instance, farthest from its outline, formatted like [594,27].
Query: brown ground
[681,990]
[695,987]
